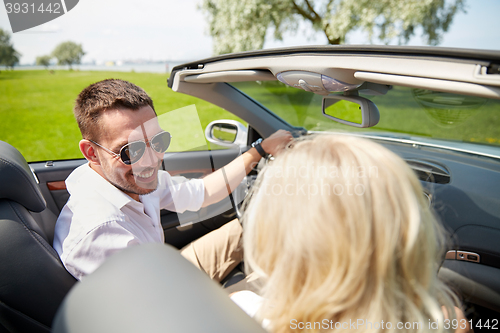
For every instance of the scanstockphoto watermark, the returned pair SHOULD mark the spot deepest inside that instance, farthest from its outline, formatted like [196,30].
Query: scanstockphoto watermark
[356,324]
[311,181]
[322,171]
[311,190]
[327,324]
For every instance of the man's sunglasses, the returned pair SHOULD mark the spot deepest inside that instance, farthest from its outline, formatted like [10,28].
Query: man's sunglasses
[132,152]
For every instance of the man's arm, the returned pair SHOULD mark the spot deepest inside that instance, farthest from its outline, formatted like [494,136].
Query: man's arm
[230,176]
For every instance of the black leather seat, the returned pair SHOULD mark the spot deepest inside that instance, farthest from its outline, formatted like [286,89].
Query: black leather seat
[33,281]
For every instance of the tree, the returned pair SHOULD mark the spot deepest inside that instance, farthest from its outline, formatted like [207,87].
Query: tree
[43,61]
[8,55]
[68,53]
[242,25]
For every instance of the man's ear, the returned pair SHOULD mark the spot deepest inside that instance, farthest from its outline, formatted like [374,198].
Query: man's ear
[89,152]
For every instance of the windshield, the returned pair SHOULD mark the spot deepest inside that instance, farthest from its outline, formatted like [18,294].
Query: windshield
[404,113]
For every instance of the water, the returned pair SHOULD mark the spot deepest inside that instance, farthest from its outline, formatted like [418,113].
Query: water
[164,67]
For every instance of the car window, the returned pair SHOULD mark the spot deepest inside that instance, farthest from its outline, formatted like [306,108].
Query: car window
[403,112]
[37,118]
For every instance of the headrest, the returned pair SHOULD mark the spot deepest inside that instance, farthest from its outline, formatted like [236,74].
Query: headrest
[17,183]
[150,288]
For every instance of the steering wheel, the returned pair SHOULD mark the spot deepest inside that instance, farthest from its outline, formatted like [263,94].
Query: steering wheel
[240,193]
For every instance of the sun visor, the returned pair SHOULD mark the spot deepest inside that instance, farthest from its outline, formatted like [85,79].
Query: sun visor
[231,76]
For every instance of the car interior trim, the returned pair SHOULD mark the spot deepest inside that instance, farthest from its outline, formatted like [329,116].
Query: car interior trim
[417,143]
[190,173]
[451,255]
[343,67]
[476,282]
[468,256]
[482,72]
[57,185]
[465,88]
[477,243]
[429,171]
[231,76]
[353,50]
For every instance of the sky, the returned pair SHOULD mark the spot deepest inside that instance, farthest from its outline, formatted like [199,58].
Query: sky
[173,30]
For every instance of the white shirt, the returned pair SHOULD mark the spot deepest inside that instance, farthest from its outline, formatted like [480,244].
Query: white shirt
[99,219]
[249,302]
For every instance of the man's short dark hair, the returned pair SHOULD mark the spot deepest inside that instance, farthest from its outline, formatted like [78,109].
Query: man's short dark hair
[103,95]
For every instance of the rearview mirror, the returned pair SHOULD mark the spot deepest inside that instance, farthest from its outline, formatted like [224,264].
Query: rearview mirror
[351,110]
[227,133]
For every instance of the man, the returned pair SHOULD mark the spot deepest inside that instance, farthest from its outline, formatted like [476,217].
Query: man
[115,199]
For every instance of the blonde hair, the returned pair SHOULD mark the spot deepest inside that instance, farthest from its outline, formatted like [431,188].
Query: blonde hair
[339,230]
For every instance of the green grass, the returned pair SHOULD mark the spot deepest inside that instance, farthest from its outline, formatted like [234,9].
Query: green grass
[36,113]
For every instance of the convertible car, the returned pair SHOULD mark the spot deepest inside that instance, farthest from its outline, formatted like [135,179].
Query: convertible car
[438,108]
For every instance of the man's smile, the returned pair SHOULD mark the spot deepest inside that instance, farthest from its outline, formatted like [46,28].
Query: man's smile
[145,174]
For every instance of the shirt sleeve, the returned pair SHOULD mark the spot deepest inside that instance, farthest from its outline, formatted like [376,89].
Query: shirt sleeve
[98,245]
[180,194]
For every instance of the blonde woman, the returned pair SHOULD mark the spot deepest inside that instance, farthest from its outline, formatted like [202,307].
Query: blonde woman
[341,235]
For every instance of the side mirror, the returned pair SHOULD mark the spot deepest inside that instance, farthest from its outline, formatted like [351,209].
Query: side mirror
[227,133]
[351,110]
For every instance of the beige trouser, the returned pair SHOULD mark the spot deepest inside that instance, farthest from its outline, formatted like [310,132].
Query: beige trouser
[218,252]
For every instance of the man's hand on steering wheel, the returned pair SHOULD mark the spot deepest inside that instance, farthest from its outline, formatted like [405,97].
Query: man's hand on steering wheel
[277,142]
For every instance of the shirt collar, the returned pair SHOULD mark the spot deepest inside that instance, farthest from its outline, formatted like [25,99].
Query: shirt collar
[84,178]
